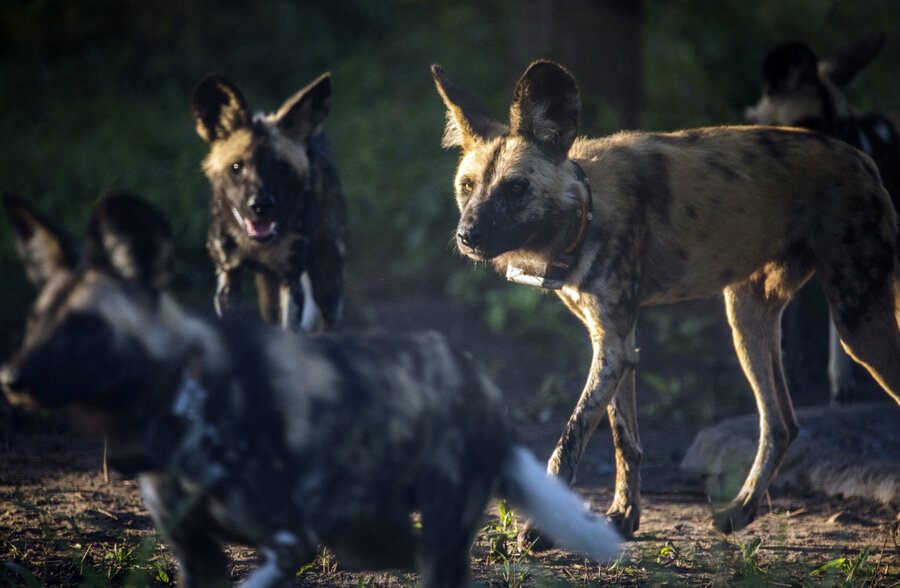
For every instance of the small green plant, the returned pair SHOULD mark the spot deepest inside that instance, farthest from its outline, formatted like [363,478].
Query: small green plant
[404,579]
[502,543]
[325,561]
[747,567]
[132,563]
[846,571]
[667,554]
[620,570]
[501,535]
[119,559]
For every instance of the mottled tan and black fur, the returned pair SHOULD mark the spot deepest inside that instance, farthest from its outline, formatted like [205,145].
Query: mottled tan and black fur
[241,432]
[276,206]
[801,90]
[748,211]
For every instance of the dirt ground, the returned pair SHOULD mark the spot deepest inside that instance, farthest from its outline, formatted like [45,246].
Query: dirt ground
[61,522]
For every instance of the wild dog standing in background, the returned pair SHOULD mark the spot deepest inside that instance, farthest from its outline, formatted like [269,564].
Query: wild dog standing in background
[799,90]
[285,442]
[276,207]
[638,219]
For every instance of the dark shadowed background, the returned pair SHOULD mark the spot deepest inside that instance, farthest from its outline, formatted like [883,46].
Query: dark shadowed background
[94,95]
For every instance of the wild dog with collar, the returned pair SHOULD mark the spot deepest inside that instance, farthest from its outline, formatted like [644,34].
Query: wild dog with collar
[245,433]
[748,211]
[276,206]
[800,90]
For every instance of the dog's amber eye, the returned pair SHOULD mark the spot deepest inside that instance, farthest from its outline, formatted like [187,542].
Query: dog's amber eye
[236,167]
[467,187]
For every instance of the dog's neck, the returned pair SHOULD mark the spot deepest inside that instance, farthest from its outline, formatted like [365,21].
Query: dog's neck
[163,412]
[552,275]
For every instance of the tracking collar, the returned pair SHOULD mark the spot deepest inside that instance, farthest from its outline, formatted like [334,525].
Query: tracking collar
[553,275]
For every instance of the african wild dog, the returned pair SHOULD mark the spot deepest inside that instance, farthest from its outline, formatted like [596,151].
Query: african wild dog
[276,206]
[655,218]
[799,90]
[246,433]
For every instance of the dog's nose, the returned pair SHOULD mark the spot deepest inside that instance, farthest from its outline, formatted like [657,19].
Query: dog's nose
[262,205]
[468,236]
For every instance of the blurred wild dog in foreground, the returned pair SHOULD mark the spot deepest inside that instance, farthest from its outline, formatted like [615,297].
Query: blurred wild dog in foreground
[245,433]
[276,206]
[748,211]
[800,90]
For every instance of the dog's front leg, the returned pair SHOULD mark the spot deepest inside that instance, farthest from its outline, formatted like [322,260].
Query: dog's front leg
[610,388]
[183,520]
[625,511]
[282,556]
[228,290]
[612,358]
[299,307]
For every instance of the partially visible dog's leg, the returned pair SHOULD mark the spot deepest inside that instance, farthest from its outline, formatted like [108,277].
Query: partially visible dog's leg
[452,509]
[861,281]
[870,333]
[840,369]
[228,290]
[612,358]
[282,556]
[310,317]
[613,361]
[625,511]
[201,560]
[754,313]
[327,276]
[268,288]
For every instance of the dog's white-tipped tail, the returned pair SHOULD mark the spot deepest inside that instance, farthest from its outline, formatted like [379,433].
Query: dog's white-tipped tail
[556,510]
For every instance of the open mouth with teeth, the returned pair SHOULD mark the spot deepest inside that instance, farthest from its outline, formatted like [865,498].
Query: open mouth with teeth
[258,230]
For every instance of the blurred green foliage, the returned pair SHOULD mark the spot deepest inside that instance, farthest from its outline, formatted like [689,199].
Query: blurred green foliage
[94,95]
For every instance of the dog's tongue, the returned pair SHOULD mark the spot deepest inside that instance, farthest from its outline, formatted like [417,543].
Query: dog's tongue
[259,229]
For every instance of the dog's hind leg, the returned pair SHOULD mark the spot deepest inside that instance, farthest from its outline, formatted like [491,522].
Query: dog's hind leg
[859,271]
[869,331]
[841,379]
[754,313]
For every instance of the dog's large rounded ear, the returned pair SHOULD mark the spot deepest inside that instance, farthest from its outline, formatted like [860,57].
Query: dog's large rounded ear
[218,108]
[468,119]
[43,247]
[844,65]
[789,67]
[301,115]
[546,107]
[129,238]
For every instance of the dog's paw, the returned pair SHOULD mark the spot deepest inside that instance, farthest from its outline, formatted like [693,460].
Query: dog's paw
[734,517]
[530,539]
[626,521]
